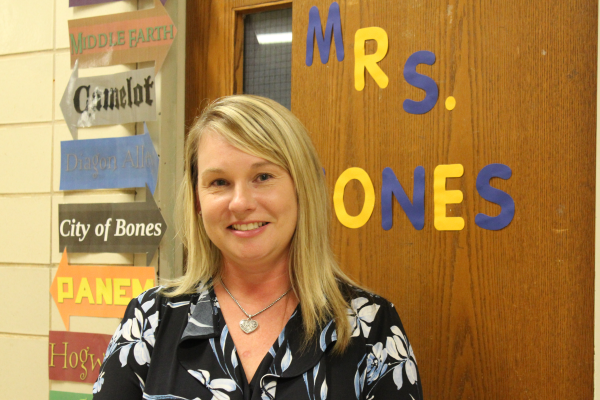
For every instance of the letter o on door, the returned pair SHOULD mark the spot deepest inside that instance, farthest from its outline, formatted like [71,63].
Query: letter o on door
[347,220]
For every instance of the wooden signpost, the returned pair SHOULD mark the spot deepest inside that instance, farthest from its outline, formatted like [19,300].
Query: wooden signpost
[130,37]
[97,291]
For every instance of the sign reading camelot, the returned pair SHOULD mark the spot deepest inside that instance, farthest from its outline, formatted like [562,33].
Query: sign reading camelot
[109,99]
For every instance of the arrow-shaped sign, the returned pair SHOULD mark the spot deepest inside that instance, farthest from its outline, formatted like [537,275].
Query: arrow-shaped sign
[108,99]
[134,227]
[91,348]
[130,37]
[75,3]
[111,163]
[94,291]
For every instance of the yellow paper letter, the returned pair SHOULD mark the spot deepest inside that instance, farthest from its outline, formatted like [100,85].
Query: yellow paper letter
[441,197]
[136,289]
[84,291]
[104,291]
[369,62]
[338,198]
[118,292]
[62,294]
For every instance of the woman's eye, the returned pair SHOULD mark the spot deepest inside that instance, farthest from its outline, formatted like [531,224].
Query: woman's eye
[219,182]
[264,177]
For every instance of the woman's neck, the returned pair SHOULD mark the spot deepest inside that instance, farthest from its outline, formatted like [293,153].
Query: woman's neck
[256,283]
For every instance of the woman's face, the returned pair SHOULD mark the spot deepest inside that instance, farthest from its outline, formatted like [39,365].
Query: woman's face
[249,206]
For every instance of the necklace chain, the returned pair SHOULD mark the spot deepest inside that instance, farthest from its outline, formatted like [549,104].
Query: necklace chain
[255,314]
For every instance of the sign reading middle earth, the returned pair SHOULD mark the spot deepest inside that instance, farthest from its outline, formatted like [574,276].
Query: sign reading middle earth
[130,37]
[111,163]
[109,99]
[136,227]
[97,291]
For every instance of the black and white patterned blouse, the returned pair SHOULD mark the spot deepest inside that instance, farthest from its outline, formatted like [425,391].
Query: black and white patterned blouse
[188,354]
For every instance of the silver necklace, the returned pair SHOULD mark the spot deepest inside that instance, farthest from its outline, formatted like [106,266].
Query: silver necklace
[249,325]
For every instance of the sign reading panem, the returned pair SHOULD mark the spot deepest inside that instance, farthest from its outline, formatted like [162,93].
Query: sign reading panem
[97,291]
[111,163]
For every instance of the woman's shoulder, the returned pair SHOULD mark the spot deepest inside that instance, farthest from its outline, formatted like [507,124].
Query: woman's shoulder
[168,294]
[157,299]
[355,294]
[370,315]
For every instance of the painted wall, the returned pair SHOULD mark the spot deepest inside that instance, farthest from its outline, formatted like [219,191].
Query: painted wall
[34,70]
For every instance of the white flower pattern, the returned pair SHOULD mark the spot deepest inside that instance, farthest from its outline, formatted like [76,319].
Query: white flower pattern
[387,367]
[361,315]
[400,349]
[216,385]
[377,365]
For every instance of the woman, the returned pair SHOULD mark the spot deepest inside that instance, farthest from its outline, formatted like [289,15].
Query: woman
[263,310]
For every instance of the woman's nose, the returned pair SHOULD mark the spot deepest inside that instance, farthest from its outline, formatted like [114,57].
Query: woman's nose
[242,200]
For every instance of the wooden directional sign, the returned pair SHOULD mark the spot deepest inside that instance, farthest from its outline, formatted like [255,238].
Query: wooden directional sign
[76,356]
[130,37]
[97,291]
[111,163]
[75,3]
[109,99]
[56,395]
[134,227]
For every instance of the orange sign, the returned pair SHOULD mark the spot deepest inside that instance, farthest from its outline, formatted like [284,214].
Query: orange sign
[97,291]
[129,37]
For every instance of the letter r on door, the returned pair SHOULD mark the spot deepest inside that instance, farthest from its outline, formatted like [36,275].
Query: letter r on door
[369,62]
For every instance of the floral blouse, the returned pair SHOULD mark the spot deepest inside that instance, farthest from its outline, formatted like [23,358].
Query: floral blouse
[180,348]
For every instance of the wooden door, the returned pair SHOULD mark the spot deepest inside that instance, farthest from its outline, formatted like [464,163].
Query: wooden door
[491,314]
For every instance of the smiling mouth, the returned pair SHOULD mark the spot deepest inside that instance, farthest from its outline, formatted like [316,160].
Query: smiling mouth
[247,227]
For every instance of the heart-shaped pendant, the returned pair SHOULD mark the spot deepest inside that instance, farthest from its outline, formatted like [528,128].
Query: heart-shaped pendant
[248,325]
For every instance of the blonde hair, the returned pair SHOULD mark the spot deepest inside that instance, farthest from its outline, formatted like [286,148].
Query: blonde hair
[265,129]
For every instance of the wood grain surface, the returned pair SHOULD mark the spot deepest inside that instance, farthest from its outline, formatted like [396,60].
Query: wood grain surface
[491,314]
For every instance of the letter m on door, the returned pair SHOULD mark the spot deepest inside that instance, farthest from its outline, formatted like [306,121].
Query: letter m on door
[315,29]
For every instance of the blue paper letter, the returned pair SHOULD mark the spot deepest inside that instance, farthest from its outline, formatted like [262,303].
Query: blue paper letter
[334,23]
[415,211]
[496,196]
[420,81]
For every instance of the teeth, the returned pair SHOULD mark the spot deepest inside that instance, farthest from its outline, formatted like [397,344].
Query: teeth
[248,227]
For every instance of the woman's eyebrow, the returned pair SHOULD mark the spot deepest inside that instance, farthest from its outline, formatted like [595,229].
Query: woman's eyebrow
[211,171]
[262,164]
[256,165]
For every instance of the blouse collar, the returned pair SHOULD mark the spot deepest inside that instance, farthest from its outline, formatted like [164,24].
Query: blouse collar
[204,324]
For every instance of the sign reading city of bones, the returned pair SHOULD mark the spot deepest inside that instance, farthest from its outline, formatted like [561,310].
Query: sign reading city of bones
[111,163]
[109,99]
[136,227]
